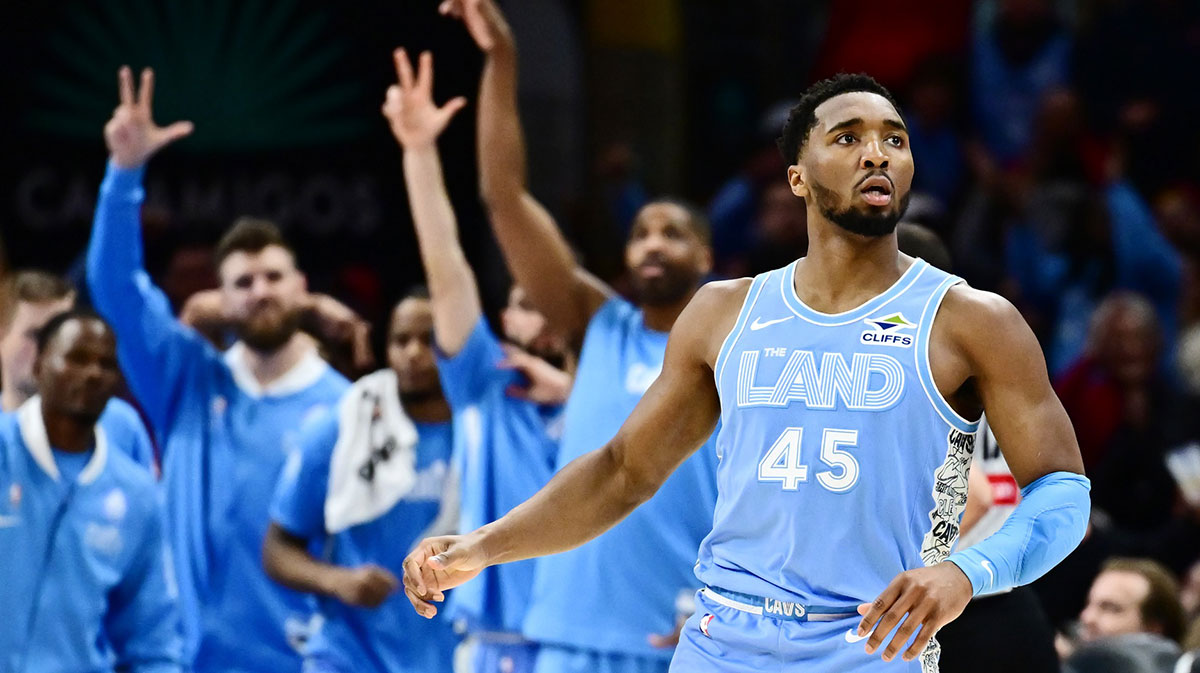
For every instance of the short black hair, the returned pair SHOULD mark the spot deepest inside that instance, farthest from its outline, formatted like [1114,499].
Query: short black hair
[803,116]
[697,218]
[251,235]
[54,325]
[418,291]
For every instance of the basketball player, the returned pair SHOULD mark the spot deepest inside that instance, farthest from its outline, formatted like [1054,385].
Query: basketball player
[507,443]
[343,539]
[33,298]
[586,619]
[587,614]
[226,420]
[844,383]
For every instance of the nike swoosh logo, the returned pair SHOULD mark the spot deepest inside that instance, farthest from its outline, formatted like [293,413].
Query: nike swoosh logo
[987,565]
[759,324]
[853,637]
[7,521]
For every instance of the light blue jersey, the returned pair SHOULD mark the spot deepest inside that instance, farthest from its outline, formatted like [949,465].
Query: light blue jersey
[84,580]
[391,638]
[842,465]
[126,432]
[224,439]
[613,592]
[506,448]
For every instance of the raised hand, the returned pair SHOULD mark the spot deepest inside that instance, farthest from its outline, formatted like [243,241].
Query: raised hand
[409,108]
[437,565]
[483,19]
[546,383]
[930,597]
[367,586]
[131,134]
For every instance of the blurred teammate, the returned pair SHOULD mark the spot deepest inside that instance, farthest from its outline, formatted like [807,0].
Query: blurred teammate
[83,577]
[369,480]
[226,420]
[33,298]
[506,409]
[844,437]
[585,612]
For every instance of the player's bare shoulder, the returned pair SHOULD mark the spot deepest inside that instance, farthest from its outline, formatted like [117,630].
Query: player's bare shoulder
[984,328]
[711,314]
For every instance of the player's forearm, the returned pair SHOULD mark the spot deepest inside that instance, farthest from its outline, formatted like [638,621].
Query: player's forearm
[452,286]
[534,249]
[587,497]
[114,254]
[500,142]
[291,565]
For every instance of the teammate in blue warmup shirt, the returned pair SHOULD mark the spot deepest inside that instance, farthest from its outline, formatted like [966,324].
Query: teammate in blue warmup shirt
[32,298]
[507,401]
[586,613]
[225,421]
[83,574]
[344,539]
[845,384]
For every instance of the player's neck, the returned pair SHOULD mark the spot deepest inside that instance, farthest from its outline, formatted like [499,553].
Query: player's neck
[842,270]
[661,317]
[268,366]
[10,397]
[68,433]
[427,408]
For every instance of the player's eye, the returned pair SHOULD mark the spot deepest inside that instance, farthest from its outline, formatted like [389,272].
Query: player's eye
[895,141]
[243,282]
[845,139]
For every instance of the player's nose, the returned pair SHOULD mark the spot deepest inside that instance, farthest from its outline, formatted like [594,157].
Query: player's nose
[874,155]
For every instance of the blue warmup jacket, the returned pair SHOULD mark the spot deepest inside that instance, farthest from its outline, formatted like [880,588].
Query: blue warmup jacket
[224,439]
[84,582]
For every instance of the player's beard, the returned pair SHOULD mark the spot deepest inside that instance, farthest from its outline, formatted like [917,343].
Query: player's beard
[672,287]
[268,333]
[874,222]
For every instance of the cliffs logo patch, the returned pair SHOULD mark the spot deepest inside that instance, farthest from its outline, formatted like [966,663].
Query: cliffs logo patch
[892,330]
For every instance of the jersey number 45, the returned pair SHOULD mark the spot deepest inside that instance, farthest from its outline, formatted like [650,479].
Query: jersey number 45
[784,464]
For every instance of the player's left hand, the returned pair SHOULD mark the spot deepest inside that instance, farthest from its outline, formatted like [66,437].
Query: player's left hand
[547,384]
[931,597]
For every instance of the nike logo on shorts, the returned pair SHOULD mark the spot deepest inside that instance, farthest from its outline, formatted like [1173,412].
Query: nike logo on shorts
[759,324]
[853,637]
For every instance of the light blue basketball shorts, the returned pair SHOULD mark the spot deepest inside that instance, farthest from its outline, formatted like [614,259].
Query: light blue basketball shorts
[560,659]
[490,656]
[727,635]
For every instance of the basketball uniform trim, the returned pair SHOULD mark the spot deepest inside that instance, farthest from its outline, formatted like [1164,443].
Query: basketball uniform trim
[787,288]
[925,373]
[739,325]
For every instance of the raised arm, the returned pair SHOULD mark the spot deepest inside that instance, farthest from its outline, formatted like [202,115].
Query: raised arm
[154,349]
[417,122]
[536,252]
[595,491]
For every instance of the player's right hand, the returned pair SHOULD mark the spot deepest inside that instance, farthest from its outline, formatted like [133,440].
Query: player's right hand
[483,20]
[366,586]
[415,119]
[131,134]
[439,564]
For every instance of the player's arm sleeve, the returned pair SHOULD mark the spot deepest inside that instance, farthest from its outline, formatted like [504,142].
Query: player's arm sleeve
[298,505]
[127,432]
[156,352]
[467,373]
[1047,526]
[143,623]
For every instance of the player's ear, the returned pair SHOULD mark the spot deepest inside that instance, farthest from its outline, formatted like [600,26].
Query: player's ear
[797,179]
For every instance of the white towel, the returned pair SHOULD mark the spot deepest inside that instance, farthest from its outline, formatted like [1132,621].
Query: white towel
[374,461]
